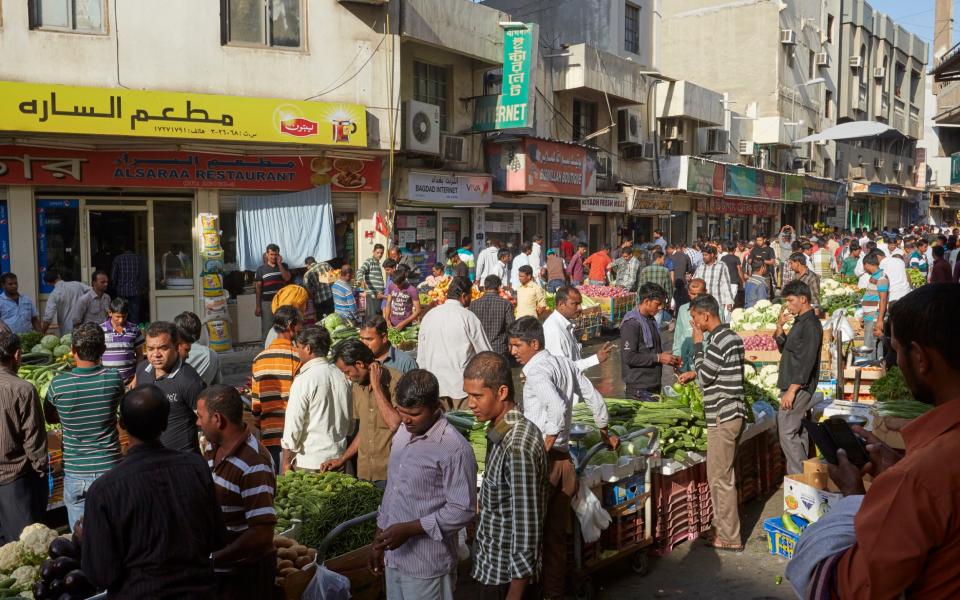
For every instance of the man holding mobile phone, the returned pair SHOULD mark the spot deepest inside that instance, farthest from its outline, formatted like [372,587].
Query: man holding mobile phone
[799,371]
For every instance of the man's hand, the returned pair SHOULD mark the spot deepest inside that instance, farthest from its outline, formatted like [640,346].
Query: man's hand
[334,464]
[375,559]
[257,310]
[697,333]
[376,372]
[604,353]
[882,456]
[686,377]
[665,358]
[878,329]
[786,401]
[846,475]
[397,535]
[610,440]
[286,466]
[783,318]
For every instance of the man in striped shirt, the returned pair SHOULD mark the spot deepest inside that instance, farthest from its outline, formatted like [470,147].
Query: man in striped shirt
[273,371]
[344,302]
[124,340]
[86,402]
[371,278]
[244,484]
[719,373]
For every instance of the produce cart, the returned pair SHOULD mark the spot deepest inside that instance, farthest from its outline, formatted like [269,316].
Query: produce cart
[630,532]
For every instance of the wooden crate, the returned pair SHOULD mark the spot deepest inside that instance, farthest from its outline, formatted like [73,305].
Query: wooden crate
[865,374]
[364,585]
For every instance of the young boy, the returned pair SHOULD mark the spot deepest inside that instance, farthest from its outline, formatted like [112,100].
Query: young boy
[435,278]
[756,289]
[124,340]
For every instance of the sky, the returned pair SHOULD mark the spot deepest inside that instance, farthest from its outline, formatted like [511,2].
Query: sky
[917,16]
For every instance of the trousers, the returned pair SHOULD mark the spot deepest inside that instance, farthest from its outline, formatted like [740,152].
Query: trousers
[22,501]
[721,458]
[793,437]
[562,479]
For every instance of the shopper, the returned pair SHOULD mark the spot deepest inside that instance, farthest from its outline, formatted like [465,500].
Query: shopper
[512,499]
[641,348]
[152,523]
[431,495]
[553,385]
[849,265]
[16,310]
[520,260]
[269,278]
[317,282]
[488,262]
[457,268]
[554,272]
[23,463]
[273,372]
[761,250]
[531,299]
[683,332]
[821,262]
[204,361]
[495,313]
[465,255]
[799,370]
[372,279]
[85,403]
[940,271]
[373,393]
[575,264]
[124,341]
[627,270]
[450,335]
[177,380]
[558,331]
[402,307]
[344,302]
[599,263]
[536,256]
[62,303]
[874,303]
[128,275]
[503,267]
[803,274]
[436,276]
[681,269]
[756,288]
[94,305]
[244,479]
[718,370]
[735,268]
[566,246]
[716,275]
[375,335]
[658,274]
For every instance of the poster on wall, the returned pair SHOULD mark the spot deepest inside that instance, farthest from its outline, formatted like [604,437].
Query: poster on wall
[704,177]
[533,165]
[44,248]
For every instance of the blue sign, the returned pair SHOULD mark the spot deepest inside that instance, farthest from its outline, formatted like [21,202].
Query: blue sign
[43,207]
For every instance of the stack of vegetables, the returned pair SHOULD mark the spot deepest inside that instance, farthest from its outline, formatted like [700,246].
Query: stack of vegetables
[836,296]
[339,329]
[439,293]
[322,501]
[762,316]
[21,561]
[45,361]
[603,291]
[404,338]
[60,575]
[762,384]
[917,278]
[763,343]
[476,433]
[894,398]
[291,557]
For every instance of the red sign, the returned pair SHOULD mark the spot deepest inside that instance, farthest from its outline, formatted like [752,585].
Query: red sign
[134,168]
[742,208]
[535,165]
[299,127]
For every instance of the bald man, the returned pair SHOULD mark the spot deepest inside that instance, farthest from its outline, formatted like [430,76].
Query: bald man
[683,334]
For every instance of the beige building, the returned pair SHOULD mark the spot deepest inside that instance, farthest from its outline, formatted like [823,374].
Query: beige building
[942,138]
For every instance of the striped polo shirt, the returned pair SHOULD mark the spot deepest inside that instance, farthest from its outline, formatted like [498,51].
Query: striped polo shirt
[719,367]
[121,353]
[244,484]
[273,372]
[87,400]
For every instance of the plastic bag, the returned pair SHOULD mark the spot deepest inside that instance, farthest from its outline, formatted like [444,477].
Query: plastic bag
[327,585]
[592,516]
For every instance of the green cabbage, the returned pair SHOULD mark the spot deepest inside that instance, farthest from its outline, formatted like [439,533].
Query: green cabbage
[629,449]
[332,321]
[50,342]
[66,340]
[39,349]
[61,350]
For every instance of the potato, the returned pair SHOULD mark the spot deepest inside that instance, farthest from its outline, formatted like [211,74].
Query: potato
[286,554]
[300,549]
[283,542]
[284,564]
[288,572]
[302,561]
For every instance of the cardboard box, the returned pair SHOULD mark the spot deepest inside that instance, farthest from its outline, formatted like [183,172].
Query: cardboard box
[812,466]
[809,495]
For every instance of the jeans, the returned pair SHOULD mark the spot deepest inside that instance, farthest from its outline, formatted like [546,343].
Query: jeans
[555,284]
[869,339]
[75,488]
[662,318]
[276,452]
[266,318]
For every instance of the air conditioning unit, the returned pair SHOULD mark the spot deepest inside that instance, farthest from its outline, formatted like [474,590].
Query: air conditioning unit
[897,166]
[629,125]
[856,62]
[714,141]
[820,142]
[878,163]
[746,147]
[823,59]
[451,147]
[788,36]
[856,172]
[604,166]
[421,127]
[879,72]
[642,151]
[649,149]
[673,130]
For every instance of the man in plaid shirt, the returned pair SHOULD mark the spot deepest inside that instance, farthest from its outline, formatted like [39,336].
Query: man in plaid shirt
[821,261]
[508,553]
[316,280]
[717,277]
[495,314]
[658,274]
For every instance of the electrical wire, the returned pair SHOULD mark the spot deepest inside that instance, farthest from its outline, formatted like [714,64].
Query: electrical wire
[116,38]
[354,76]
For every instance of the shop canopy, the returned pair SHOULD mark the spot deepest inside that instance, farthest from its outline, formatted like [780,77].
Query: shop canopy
[853,130]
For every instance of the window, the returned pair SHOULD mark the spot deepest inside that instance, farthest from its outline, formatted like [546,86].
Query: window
[631,29]
[829,28]
[173,244]
[493,82]
[431,84]
[58,239]
[584,119]
[70,15]
[828,105]
[900,73]
[915,79]
[812,64]
[273,23]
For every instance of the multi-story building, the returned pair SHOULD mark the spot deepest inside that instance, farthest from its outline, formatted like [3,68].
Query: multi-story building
[941,147]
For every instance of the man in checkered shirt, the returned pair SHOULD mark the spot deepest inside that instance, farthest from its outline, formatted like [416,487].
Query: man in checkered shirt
[717,276]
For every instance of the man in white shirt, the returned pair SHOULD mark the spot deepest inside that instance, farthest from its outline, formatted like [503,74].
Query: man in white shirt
[893,247]
[552,386]
[896,271]
[450,335]
[536,256]
[487,262]
[62,302]
[318,419]
[520,260]
[558,331]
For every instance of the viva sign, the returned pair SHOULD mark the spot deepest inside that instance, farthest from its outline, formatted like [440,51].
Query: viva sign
[513,108]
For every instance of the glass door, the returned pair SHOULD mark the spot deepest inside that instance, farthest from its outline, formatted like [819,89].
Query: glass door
[454,226]
[117,243]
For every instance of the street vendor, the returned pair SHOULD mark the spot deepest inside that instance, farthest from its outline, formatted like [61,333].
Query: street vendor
[683,333]
[431,495]
[558,330]
[641,352]
[373,391]
[553,385]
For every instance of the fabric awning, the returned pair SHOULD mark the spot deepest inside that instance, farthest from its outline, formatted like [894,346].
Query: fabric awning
[301,223]
[851,131]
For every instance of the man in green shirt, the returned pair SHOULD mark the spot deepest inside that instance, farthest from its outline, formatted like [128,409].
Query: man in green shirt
[683,333]
[85,401]
[849,267]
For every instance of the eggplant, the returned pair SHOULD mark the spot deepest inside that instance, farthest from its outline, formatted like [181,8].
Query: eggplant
[77,583]
[61,546]
[63,565]
[48,570]
[40,591]
[55,588]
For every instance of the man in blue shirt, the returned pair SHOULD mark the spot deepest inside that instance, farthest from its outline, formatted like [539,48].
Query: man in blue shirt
[373,334]
[756,288]
[344,302]
[16,310]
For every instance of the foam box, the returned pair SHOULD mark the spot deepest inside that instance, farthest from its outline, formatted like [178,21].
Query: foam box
[809,495]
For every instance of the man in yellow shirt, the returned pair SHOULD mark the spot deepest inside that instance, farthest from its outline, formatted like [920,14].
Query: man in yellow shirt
[531,299]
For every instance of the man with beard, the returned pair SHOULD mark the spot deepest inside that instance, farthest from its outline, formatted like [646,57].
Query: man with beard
[905,540]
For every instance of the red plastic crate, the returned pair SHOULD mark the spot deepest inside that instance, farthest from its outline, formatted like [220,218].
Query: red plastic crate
[624,531]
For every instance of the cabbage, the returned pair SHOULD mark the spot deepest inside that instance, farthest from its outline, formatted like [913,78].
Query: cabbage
[66,340]
[39,349]
[61,350]
[628,449]
[50,342]
[332,321]
[604,457]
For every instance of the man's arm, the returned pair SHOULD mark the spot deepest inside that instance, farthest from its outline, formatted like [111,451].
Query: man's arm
[708,361]
[593,399]
[527,475]
[550,403]
[348,454]
[295,421]
[284,273]
[388,412]
[35,434]
[884,301]
[102,545]
[257,489]
[50,313]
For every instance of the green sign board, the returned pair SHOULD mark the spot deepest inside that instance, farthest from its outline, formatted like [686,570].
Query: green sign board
[513,108]
[954,169]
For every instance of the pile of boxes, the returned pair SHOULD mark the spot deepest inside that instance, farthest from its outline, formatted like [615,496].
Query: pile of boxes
[215,298]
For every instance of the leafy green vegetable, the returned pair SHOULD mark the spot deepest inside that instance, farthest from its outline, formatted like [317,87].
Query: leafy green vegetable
[892,386]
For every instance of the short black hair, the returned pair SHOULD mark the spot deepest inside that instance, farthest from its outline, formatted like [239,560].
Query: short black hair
[88,342]
[503,253]
[528,330]
[581,245]
[938,251]
[799,289]
[656,255]
[626,252]
[9,344]
[389,264]
[872,258]
[706,303]
[352,352]
[6,277]
[144,411]
[757,264]
[798,257]
[273,248]
[465,241]
[492,369]
[223,399]
[927,316]
[285,318]
[492,282]
[158,328]
[376,322]
[418,387]
[440,265]
[377,247]
[458,287]
[526,247]
[120,306]
[51,276]
[651,291]
[93,278]
[526,270]
[188,325]
[564,292]
[400,275]
[316,338]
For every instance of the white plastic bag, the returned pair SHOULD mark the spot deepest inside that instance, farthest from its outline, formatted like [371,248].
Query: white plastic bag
[327,585]
[592,516]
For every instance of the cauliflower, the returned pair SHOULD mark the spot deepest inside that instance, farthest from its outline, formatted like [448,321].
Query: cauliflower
[9,557]
[34,541]
[775,309]
[25,577]
[762,304]
[749,371]
[736,315]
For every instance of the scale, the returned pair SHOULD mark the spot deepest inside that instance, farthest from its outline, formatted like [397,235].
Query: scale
[578,431]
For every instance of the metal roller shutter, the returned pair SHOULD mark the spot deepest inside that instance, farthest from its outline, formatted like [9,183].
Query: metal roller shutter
[348,202]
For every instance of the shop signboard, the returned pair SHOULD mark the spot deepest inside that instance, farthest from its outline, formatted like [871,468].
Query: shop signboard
[513,107]
[955,168]
[704,177]
[46,108]
[612,203]
[731,206]
[747,182]
[649,204]
[135,168]
[793,188]
[4,238]
[533,165]
[448,188]
[827,192]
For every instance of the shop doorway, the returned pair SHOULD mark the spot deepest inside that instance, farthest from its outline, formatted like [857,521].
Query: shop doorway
[113,231]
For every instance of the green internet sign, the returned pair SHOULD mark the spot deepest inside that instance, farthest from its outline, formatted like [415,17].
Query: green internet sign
[513,108]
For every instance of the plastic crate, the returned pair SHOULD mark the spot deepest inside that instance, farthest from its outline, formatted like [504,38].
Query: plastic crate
[624,531]
[626,490]
[781,542]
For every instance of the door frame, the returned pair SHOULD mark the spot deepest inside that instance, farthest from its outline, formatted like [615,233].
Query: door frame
[465,229]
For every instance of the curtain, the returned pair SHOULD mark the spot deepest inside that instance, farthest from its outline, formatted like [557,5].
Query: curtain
[300,223]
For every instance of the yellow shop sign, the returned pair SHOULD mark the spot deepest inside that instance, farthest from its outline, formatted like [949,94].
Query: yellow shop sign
[44,108]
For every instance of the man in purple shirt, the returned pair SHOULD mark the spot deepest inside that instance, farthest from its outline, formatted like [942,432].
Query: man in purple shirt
[575,268]
[431,495]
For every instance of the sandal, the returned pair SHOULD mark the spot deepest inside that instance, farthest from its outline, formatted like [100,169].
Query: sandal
[717,544]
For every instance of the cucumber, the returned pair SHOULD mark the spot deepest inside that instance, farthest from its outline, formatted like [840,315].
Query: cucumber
[7,583]
[788,523]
